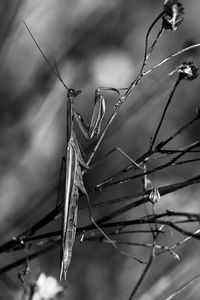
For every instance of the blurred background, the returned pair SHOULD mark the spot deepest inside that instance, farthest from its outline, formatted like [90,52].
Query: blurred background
[95,43]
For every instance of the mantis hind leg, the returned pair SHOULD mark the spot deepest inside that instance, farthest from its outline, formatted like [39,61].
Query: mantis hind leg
[110,179]
[113,243]
[111,152]
[97,226]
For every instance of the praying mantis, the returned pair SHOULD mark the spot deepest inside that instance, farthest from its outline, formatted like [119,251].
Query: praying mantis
[73,177]
[75,164]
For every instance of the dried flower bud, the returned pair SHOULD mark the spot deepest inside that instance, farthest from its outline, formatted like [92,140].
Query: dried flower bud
[154,196]
[173,14]
[188,71]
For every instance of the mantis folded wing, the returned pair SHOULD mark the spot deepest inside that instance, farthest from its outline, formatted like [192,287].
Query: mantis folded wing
[73,183]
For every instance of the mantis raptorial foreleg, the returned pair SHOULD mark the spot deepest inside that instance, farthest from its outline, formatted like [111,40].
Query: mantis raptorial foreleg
[93,129]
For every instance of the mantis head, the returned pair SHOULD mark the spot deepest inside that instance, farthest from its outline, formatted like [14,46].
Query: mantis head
[73,93]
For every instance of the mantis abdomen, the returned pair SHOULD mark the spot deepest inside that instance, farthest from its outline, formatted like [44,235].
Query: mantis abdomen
[74,183]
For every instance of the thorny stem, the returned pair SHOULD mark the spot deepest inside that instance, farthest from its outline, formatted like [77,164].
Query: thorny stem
[165,110]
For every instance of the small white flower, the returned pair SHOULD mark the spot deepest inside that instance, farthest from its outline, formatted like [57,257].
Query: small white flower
[46,288]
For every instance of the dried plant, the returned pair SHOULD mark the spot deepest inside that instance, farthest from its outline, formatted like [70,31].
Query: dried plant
[159,156]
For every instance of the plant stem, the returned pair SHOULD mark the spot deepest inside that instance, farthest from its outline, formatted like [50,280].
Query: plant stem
[165,110]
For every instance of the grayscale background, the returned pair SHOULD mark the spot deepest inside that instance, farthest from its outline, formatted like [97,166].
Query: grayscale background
[95,43]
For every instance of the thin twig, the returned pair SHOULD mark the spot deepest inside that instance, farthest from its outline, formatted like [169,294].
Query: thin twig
[170,57]
[178,243]
[166,141]
[183,287]
[146,52]
[165,110]
[15,242]
[29,257]
[142,276]
[142,220]
[127,93]
[147,267]
[171,163]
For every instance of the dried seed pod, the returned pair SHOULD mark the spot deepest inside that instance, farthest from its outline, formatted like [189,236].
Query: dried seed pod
[154,196]
[173,14]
